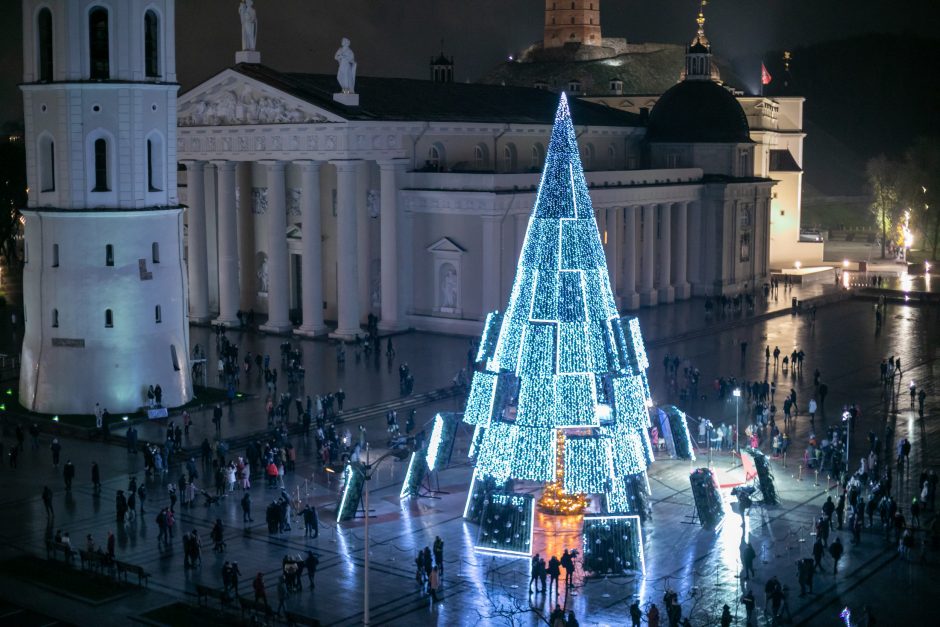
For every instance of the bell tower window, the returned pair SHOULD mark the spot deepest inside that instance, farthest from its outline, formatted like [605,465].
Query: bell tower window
[152,44]
[101,165]
[44,39]
[99,45]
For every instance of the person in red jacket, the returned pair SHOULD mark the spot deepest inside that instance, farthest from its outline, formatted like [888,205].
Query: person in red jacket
[258,585]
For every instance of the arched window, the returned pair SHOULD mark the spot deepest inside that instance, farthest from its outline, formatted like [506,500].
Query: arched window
[435,158]
[109,255]
[155,163]
[612,157]
[587,156]
[99,45]
[46,163]
[155,252]
[55,317]
[44,41]
[538,155]
[101,166]
[108,318]
[157,315]
[151,44]
[480,156]
[509,158]
[55,255]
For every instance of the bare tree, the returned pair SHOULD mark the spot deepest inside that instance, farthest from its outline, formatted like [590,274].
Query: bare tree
[883,183]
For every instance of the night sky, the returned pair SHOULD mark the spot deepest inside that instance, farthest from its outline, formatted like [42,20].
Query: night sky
[397,37]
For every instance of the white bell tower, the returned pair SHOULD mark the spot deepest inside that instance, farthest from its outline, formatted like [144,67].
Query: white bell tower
[104,282]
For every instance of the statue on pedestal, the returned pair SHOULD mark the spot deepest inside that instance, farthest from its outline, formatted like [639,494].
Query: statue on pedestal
[346,75]
[246,12]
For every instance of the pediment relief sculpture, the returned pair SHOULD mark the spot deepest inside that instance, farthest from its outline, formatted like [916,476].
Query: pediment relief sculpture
[230,104]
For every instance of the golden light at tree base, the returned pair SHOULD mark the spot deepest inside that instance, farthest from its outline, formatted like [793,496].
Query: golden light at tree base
[554,499]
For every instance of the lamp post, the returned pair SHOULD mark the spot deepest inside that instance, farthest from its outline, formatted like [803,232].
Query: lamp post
[737,421]
[367,471]
[847,419]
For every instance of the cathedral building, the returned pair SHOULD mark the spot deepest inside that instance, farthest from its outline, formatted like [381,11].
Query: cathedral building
[410,199]
[633,76]
[104,282]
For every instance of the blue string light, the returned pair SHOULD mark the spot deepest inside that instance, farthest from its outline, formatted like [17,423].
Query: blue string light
[560,357]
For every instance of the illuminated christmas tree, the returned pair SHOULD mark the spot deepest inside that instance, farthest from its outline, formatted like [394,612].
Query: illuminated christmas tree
[560,364]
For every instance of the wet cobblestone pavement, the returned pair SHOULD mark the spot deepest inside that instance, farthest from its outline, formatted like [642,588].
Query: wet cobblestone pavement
[701,566]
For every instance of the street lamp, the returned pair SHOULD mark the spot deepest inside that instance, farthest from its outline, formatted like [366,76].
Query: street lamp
[737,422]
[847,419]
[367,472]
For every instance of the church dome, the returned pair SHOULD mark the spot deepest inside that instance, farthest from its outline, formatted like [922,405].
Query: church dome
[698,112]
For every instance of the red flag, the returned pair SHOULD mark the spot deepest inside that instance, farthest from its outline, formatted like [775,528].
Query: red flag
[765,76]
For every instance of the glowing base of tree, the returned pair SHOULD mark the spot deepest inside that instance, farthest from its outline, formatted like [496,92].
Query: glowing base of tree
[554,499]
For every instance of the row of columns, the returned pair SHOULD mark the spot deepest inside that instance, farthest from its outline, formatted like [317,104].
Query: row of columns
[349,307]
[663,275]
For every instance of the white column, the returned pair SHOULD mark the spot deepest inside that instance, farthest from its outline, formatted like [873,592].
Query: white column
[680,252]
[696,227]
[522,223]
[197,263]
[492,239]
[665,293]
[311,270]
[247,245]
[347,262]
[363,246]
[612,229]
[647,291]
[629,299]
[389,242]
[728,245]
[278,277]
[228,244]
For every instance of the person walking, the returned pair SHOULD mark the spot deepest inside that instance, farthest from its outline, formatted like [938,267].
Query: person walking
[438,548]
[568,564]
[56,449]
[636,614]
[836,550]
[311,564]
[257,584]
[95,478]
[311,522]
[554,572]
[47,502]
[434,584]
[282,595]
[246,508]
[218,536]
[68,473]
[748,602]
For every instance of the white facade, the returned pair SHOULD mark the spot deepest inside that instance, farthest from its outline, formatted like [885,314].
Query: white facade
[420,222]
[104,282]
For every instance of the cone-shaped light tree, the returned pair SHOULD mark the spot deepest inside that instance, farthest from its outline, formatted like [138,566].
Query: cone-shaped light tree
[560,364]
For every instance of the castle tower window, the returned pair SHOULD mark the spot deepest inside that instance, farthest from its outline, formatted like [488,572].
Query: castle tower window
[99,45]
[44,41]
[152,44]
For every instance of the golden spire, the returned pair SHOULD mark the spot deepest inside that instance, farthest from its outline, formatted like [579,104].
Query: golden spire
[700,37]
